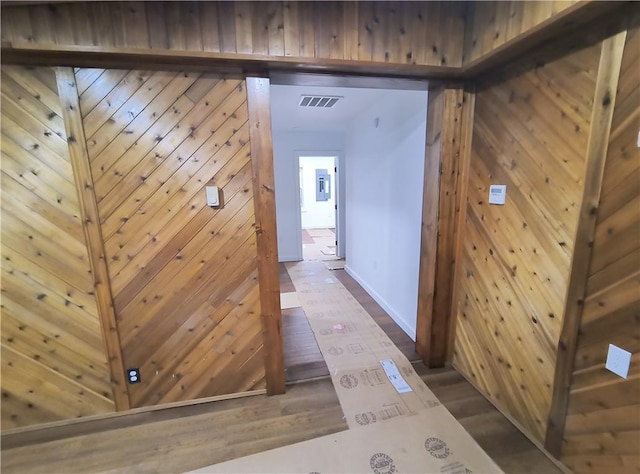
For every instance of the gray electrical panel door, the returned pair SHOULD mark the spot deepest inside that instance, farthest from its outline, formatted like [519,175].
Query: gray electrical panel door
[323,185]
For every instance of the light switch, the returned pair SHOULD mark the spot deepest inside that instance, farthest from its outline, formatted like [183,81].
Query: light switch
[213,196]
[618,361]
[497,194]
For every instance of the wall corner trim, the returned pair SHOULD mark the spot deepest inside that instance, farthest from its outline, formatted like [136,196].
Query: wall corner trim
[258,102]
[447,155]
[83,179]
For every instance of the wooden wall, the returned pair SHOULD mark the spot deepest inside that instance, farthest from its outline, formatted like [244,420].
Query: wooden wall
[530,132]
[183,275]
[490,25]
[602,431]
[53,359]
[423,33]
[181,278]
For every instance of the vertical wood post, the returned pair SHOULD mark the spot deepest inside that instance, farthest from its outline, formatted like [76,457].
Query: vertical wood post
[596,154]
[449,122]
[429,226]
[83,179]
[462,186]
[259,105]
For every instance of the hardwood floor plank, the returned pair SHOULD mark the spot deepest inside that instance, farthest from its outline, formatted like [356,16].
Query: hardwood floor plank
[188,437]
[303,359]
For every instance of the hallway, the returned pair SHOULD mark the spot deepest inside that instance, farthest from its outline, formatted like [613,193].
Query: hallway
[340,331]
[303,359]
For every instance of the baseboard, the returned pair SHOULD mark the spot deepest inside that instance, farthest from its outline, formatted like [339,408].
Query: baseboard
[381,301]
[517,424]
[26,435]
[288,258]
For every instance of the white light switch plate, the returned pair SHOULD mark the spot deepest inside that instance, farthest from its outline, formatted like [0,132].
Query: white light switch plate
[618,361]
[213,196]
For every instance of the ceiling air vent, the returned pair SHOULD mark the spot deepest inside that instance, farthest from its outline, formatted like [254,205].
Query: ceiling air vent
[318,101]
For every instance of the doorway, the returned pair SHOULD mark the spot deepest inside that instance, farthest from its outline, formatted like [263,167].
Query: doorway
[318,207]
[375,140]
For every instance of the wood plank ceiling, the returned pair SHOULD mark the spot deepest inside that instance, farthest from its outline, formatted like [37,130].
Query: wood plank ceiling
[53,361]
[530,133]
[183,275]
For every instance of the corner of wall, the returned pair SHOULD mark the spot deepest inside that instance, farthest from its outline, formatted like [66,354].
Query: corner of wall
[399,319]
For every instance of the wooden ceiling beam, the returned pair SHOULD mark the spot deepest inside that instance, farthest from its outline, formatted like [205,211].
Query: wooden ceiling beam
[109,57]
[560,25]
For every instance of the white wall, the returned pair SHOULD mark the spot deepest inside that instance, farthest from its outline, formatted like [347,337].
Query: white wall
[317,214]
[287,146]
[384,181]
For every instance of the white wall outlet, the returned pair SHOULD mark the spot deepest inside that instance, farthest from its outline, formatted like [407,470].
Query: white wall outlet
[497,194]
[213,196]
[618,361]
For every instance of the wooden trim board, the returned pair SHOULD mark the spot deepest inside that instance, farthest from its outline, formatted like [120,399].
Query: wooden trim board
[259,105]
[57,430]
[469,99]
[79,156]
[429,225]
[254,64]
[567,20]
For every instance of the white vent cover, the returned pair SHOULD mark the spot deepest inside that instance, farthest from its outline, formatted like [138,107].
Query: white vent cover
[318,101]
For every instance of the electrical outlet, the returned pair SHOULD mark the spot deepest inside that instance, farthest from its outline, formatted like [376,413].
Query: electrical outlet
[618,361]
[133,375]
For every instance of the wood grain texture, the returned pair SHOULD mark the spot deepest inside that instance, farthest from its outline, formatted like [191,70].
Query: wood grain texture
[302,357]
[318,30]
[449,114]
[179,439]
[602,430]
[183,275]
[53,357]
[259,122]
[491,25]
[83,179]
[460,211]
[429,225]
[601,117]
[530,132]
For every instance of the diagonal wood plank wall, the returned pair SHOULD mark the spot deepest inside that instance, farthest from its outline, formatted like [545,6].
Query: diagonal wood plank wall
[53,360]
[423,33]
[530,133]
[603,417]
[183,275]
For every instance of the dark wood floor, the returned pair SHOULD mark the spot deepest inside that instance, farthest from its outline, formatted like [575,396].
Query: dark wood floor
[185,438]
[302,357]
[182,439]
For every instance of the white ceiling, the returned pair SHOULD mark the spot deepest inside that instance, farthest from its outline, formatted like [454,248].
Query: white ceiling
[286,115]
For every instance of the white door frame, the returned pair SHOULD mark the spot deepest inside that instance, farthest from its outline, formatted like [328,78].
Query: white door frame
[340,194]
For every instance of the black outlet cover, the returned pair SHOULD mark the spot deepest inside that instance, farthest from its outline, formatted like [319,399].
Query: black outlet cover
[133,375]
